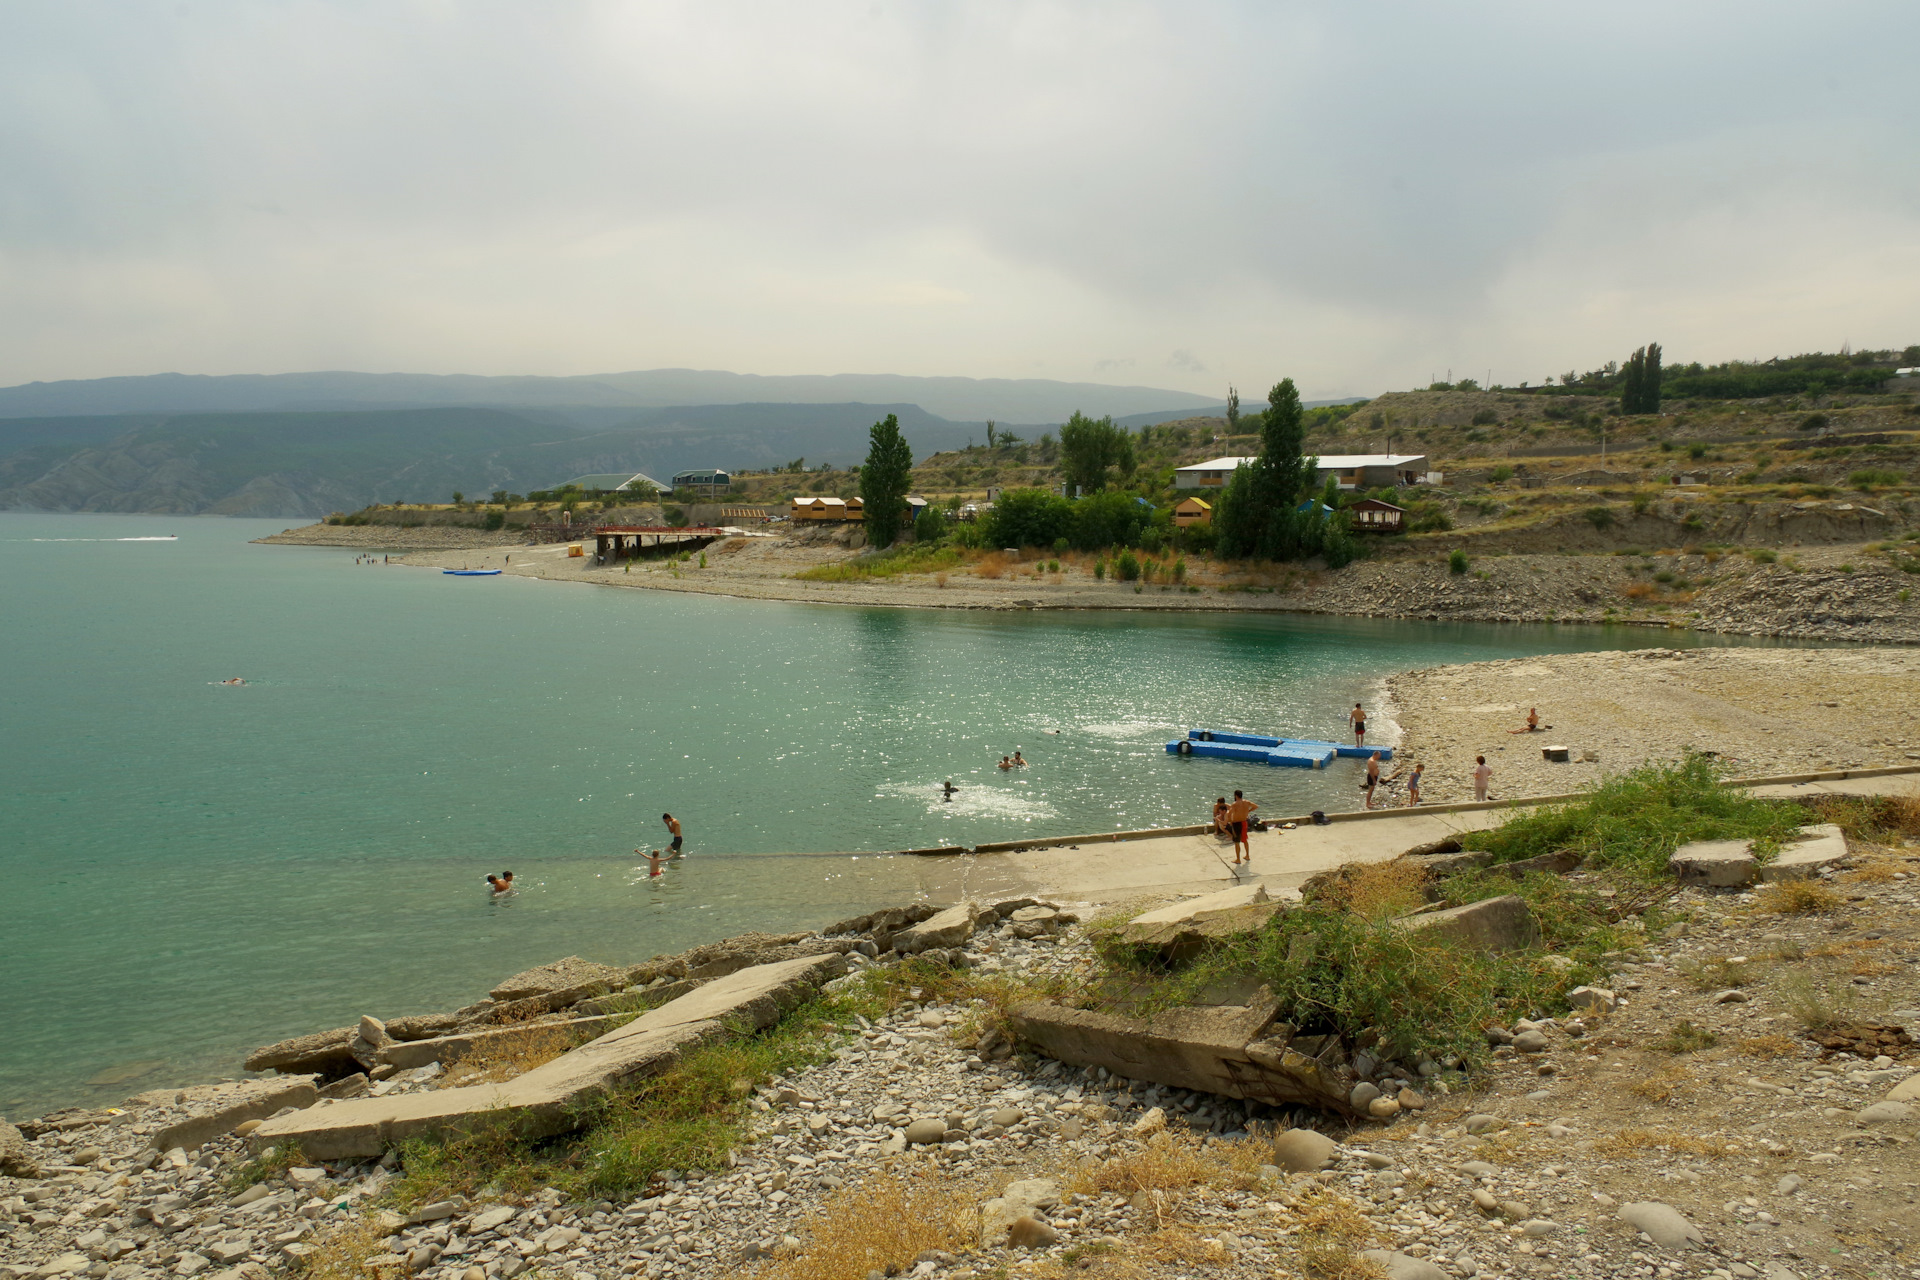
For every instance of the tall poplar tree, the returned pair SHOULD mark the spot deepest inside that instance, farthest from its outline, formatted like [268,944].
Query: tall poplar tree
[884,481]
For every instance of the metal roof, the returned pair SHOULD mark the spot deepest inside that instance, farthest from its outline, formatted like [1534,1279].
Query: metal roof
[1219,464]
[611,480]
[1351,461]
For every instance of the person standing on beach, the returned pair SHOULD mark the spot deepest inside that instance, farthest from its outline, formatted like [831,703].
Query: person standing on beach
[1481,773]
[1359,719]
[1413,784]
[673,825]
[1373,776]
[1238,814]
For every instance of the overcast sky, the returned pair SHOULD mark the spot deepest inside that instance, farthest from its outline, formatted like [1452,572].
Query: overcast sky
[1362,196]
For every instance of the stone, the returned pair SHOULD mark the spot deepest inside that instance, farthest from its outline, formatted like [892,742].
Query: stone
[1363,1093]
[191,1264]
[1663,1224]
[1818,847]
[1007,1117]
[1789,1184]
[1402,1266]
[948,928]
[16,1158]
[369,1039]
[258,1191]
[1481,1122]
[1907,1090]
[245,1127]
[1732,995]
[1885,1113]
[1531,1042]
[1713,863]
[924,1132]
[1479,1168]
[1383,1108]
[1151,1123]
[227,1252]
[1492,924]
[1410,1099]
[1486,1201]
[1034,915]
[1036,1193]
[561,975]
[491,1220]
[1538,1227]
[1592,999]
[257,1100]
[1031,1233]
[326,1053]
[1303,1150]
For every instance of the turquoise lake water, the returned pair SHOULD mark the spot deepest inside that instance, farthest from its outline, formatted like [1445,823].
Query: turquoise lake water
[192,869]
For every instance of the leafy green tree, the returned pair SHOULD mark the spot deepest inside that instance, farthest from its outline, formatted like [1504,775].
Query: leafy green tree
[884,481]
[1640,381]
[1236,517]
[1280,475]
[1233,410]
[1110,519]
[1029,518]
[931,525]
[1090,448]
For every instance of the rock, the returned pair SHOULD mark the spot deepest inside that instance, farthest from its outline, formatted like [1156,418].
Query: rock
[1034,915]
[1410,1100]
[1486,1201]
[1907,1090]
[258,1191]
[191,1264]
[1885,1113]
[1531,1042]
[16,1158]
[1031,1233]
[1732,995]
[1493,924]
[435,1212]
[1400,1266]
[1007,1117]
[922,1132]
[1363,1093]
[949,928]
[1538,1227]
[561,975]
[1789,1184]
[1383,1108]
[1479,1168]
[346,1087]
[1482,1123]
[1719,863]
[325,1053]
[1593,999]
[1303,1151]
[491,1220]
[1035,1193]
[1663,1224]
[245,1127]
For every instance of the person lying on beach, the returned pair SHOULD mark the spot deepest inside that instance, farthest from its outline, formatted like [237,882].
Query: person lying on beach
[1533,722]
[1220,816]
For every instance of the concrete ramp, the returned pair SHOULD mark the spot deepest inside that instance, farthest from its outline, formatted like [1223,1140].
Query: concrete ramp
[550,1099]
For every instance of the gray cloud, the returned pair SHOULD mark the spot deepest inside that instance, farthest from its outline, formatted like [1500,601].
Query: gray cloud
[1354,195]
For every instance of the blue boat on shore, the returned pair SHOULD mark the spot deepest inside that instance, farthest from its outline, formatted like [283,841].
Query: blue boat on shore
[472,573]
[1253,748]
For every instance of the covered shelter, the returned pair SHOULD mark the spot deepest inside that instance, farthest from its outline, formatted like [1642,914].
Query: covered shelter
[1192,511]
[1211,474]
[1370,515]
[1372,470]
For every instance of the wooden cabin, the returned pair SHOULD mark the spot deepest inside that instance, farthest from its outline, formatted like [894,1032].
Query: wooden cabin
[820,509]
[1192,511]
[855,508]
[1370,515]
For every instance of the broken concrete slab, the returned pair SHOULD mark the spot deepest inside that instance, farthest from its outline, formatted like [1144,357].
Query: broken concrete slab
[1492,924]
[248,1100]
[446,1050]
[1234,1050]
[561,975]
[1181,940]
[1193,908]
[327,1053]
[948,928]
[1818,847]
[1713,863]
[556,1097]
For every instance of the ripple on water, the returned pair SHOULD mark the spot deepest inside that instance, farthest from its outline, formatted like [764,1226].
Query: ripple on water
[975,800]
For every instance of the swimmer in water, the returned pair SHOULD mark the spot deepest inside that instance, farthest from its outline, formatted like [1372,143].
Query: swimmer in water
[501,884]
[235,680]
[947,792]
[1019,761]
[653,861]
[1006,762]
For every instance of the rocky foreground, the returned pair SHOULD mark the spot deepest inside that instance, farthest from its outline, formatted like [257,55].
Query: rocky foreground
[1681,1122]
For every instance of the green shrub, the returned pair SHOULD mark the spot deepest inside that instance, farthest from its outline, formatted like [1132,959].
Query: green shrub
[1127,566]
[1485,418]
[1457,561]
[1696,451]
[1599,517]
[1636,820]
[1813,422]
[1500,474]
[1873,477]
[495,519]
[1099,570]
[1761,555]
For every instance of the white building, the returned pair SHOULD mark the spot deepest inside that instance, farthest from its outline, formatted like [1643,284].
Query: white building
[1352,470]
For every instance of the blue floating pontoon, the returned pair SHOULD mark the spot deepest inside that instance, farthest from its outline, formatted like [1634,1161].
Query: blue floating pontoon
[472,573]
[1296,753]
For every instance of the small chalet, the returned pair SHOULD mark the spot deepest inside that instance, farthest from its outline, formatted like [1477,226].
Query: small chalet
[1192,511]
[1370,515]
[856,509]
[818,509]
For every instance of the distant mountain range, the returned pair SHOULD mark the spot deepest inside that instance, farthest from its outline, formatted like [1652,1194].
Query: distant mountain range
[308,444]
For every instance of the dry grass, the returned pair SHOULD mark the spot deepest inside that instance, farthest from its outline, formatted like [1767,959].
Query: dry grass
[1331,1227]
[1663,1083]
[1769,1047]
[341,1253]
[1797,898]
[1875,870]
[1387,889]
[992,565]
[1633,1142]
[880,1224]
[508,1055]
[1815,1005]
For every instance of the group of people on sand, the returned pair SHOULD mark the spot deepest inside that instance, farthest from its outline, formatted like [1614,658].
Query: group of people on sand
[368,559]
[1482,771]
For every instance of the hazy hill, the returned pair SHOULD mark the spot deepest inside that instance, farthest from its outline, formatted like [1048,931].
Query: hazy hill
[958,399]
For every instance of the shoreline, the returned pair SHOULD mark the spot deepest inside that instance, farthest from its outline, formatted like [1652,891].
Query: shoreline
[1819,593]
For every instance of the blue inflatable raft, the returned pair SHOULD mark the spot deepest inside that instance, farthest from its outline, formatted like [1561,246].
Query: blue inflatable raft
[472,573]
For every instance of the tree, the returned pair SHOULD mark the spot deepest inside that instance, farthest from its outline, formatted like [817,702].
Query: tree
[1640,385]
[458,497]
[1089,447]
[1280,473]
[1236,518]
[1233,409]
[990,425]
[1110,519]
[884,481]
[1029,518]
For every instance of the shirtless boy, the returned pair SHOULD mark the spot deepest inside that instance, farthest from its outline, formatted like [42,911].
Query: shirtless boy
[673,825]
[1237,814]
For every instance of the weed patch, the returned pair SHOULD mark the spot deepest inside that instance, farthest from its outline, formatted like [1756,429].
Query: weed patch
[1768,1047]
[341,1252]
[880,1225]
[1684,1037]
[1815,1005]
[912,558]
[1797,898]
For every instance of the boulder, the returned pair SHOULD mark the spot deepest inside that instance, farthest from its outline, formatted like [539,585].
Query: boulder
[1664,1224]
[926,1132]
[1592,999]
[1029,1232]
[1493,924]
[16,1158]
[1907,1090]
[561,975]
[1303,1151]
[1183,931]
[1400,1266]
[949,928]
[1713,863]
[422,1026]
[1885,1113]
[369,1040]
